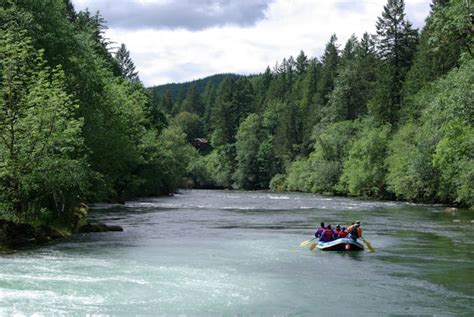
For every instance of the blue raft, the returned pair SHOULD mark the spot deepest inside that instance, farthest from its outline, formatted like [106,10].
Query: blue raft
[342,244]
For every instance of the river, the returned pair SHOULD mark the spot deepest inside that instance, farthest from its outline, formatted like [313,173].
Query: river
[238,253]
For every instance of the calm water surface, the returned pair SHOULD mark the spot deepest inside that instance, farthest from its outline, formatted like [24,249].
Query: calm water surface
[237,253]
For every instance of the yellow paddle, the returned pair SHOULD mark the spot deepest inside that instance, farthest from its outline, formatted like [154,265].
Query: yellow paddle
[369,246]
[313,246]
[305,243]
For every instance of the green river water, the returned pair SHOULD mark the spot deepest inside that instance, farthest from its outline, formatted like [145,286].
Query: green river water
[213,253]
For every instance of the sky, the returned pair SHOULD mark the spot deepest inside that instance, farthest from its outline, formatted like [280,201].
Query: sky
[183,40]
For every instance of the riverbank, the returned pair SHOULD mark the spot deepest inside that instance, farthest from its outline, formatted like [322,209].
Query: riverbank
[15,235]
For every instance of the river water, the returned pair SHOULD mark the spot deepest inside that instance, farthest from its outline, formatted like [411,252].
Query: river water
[238,253]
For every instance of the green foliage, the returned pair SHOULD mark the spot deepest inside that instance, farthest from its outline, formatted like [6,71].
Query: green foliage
[454,158]
[330,152]
[432,160]
[165,160]
[193,102]
[234,102]
[176,90]
[299,176]
[330,60]
[396,45]
[355,82]
[191,124]
[411,175]
[125,63]
[42,155]
[215,169]
[320,172]
[202,171]
[364,170]
[255,158]
[278,183]
[443,40]
[247,147]
[340,125]
[76,124]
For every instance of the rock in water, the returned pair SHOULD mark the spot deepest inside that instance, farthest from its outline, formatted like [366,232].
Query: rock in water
[14,234]
[98,227]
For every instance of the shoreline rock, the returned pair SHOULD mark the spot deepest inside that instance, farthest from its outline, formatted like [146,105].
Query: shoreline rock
[19,235]
[13,235]
[97,227]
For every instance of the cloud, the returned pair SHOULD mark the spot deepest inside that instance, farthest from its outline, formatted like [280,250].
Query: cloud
[182,54]
[350,6]
[168,14]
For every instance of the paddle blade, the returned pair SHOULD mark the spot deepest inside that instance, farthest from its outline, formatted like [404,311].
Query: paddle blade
[305,243]
[369,246]
[312,246]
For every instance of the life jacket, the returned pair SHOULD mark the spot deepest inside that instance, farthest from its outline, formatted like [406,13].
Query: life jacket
[337,233]
[355,232]
[343,234]
[327,235]
[319,232]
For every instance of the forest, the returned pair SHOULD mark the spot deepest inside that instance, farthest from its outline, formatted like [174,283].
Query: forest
[386,116]
[76,123]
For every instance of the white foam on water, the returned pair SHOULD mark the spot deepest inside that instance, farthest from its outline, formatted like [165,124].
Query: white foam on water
[278,197]
[72,279]
[239,208]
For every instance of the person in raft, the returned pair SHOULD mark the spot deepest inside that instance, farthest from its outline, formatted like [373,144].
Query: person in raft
[320,230]
[327,234]
[343,233]
[337,232]
[355,231]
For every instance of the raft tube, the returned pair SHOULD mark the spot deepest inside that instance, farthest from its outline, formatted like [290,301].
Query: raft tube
[342,244]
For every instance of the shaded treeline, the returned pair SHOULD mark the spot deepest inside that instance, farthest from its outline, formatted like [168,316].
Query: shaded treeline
[76,124]
[389,115]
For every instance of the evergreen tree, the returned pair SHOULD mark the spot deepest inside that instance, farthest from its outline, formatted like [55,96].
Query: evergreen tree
[193,102]
[262,86]
[307,102]
[329,63]
[396,45]
[302,63]
[349,51]
[234,102]
[209,100]
[355,81]
[443,40]
[126,64]
[167,103]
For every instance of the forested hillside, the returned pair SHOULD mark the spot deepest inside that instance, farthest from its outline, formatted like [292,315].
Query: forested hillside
[76,124]
[178,91]
[388,115]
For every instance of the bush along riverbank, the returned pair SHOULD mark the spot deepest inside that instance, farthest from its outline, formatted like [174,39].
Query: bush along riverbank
[17,234]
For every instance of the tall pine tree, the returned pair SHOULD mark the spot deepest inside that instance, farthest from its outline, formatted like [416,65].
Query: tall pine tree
[396,45]
[126,64]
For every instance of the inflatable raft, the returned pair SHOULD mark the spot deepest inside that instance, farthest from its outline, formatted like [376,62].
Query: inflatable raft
[342,244]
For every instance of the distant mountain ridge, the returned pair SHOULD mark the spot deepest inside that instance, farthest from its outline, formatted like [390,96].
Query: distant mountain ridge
[179,90]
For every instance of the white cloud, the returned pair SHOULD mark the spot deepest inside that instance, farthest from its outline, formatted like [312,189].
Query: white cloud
[177,55]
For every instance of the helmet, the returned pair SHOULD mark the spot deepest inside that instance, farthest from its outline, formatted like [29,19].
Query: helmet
[357,222]
[338,227]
